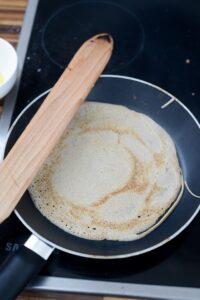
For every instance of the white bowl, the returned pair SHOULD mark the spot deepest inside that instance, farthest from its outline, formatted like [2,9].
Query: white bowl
[8,67]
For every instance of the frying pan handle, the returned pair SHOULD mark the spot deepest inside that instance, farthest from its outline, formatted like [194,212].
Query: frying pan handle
[19,268]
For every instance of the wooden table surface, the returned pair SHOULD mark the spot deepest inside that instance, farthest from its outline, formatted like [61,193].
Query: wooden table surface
[11,19]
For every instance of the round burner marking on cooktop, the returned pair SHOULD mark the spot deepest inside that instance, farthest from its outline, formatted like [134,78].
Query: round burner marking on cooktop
[70,26]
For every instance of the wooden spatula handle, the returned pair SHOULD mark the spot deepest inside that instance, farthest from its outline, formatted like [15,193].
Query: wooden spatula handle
[36,142]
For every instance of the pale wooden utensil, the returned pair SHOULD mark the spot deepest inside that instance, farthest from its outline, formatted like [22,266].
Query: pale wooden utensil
[44,130]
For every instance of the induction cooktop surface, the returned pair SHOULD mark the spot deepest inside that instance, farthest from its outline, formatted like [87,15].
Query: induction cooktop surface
[156,41]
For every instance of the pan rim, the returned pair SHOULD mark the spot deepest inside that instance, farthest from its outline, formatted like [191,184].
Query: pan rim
[120,255]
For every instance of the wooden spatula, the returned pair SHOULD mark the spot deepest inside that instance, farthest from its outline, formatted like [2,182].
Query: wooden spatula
[44,130]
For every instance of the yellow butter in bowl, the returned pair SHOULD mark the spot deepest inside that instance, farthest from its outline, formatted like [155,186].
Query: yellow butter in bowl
[1,79]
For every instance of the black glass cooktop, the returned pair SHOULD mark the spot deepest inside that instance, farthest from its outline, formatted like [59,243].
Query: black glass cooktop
[157,41]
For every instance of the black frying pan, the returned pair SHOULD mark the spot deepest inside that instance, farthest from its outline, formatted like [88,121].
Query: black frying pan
[178,121]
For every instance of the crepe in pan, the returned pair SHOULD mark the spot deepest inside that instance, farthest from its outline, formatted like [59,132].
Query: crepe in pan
[114,175]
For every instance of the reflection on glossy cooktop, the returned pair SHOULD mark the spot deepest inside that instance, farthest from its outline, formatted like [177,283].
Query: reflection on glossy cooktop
[77,22]
[157,41]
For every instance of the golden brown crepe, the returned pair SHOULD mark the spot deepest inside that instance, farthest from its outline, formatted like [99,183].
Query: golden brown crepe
[114,175]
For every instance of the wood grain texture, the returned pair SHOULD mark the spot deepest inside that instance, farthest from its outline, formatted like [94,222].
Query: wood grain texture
[48,124]
[57,296]
[63,296]
[11,19]
[10,26]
